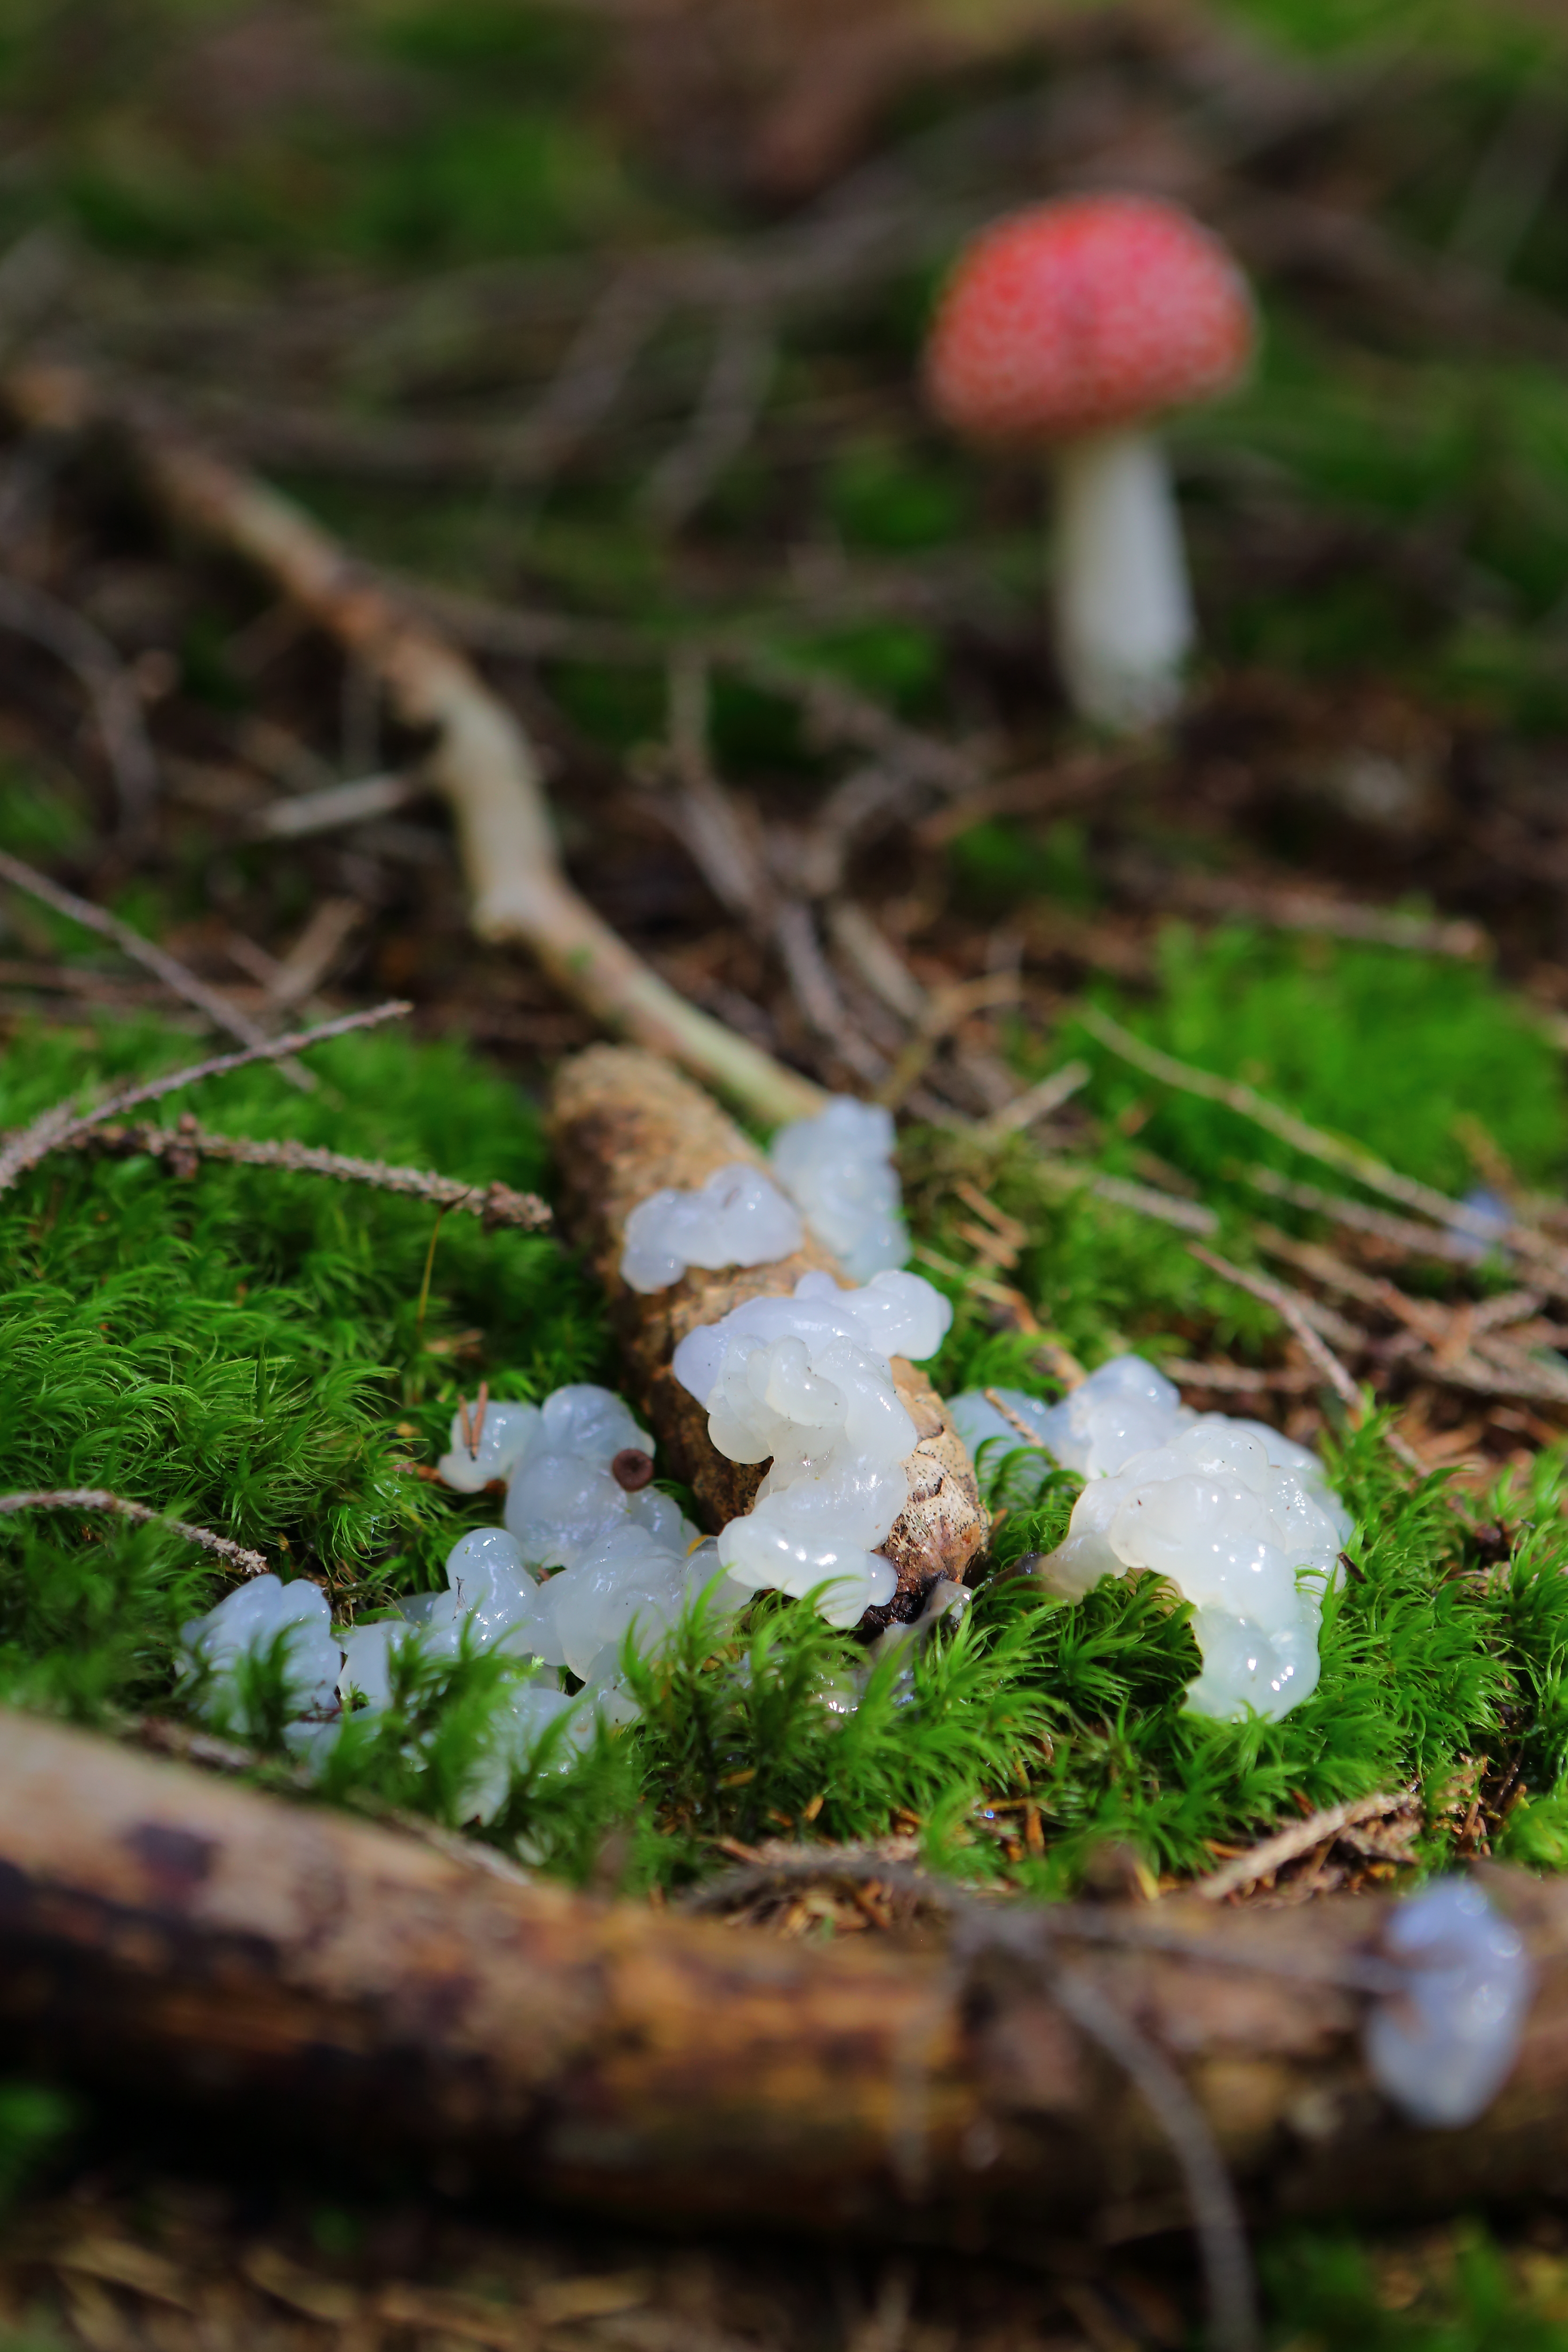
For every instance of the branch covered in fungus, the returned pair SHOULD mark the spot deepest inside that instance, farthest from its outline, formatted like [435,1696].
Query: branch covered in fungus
[65,1126]
[181,1147]
[144,951]
[480,758]
[98,1499]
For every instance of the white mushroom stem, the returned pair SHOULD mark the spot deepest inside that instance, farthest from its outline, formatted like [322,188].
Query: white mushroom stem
[1123,607]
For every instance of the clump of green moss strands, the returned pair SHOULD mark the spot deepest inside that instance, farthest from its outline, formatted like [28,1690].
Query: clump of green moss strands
[269,1356]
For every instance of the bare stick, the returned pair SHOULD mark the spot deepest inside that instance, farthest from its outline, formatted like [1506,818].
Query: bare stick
[1286,1845]
[998,1403]
[1035,1102]
[1218,2225]
[1418,1241]
[64,1125]
[1292,1308]
[335,806]
[97,1498]
[1144,1200]
[87,652]
[1351,1159]
[181,1147]
[744,356]
[480,759]
[144,951]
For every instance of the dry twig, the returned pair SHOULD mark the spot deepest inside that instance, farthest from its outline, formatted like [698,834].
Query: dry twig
[1351,1159]
[65,1126]
[1286,1845]
[480,759]
[28,612]
[147,953]
[181,1147]
[97,1498]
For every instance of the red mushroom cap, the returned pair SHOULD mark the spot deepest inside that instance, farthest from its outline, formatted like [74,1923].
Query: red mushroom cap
[1091,313]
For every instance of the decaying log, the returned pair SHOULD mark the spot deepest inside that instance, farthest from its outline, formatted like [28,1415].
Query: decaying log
[625,1125]
[191,1937]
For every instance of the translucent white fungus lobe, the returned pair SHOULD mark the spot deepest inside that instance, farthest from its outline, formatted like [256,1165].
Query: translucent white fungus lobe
[1239,1519]
[736,1218]
[838,1170]
[484,1443]
[806,1381]
[245,1624]
[1442,2048]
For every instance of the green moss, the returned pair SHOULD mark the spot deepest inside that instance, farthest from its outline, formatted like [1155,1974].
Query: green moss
[247,1351]
[1391,1048]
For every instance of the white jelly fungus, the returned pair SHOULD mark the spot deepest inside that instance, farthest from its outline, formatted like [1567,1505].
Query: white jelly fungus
[736,1218]
[624,1559]
[1239,1519]
[1442,2046]
[806,1381]
[838,1170]
[246,1624]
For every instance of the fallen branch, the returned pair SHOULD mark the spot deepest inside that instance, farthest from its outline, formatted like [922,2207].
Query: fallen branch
[186,1936]
[144,951]
[65,1126]
[97,1498]
[624,1126]
[480,758]
[181,1147]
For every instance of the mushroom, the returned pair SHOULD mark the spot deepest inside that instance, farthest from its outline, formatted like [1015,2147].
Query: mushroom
[1072,325]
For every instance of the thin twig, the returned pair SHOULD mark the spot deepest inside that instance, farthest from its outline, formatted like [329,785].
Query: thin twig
[1217,2215]
[182,1147]
[744,356]
[65,1126]
[336,806]
[1286,1845]
[479,757]
[1292,1308]
[1035,1102]
[998,1403]
[1351,1159]
[28,612]
[144,951]
[97,1498]
[1416,1241]
[1144,1200]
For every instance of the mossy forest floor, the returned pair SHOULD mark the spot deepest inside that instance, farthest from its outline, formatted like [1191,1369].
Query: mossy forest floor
[396,254]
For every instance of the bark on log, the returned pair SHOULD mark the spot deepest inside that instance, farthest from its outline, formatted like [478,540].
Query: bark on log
[191,1938]
[625,1125]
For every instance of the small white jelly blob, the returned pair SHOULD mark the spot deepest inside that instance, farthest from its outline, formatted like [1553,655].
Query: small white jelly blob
[1442,2048]
[246,1623]
[486,1439]
[736,1218]
[1240,1519]
[805,1383]
[838,1170]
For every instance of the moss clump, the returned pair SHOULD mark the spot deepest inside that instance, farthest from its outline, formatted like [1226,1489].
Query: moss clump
[265,1354]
